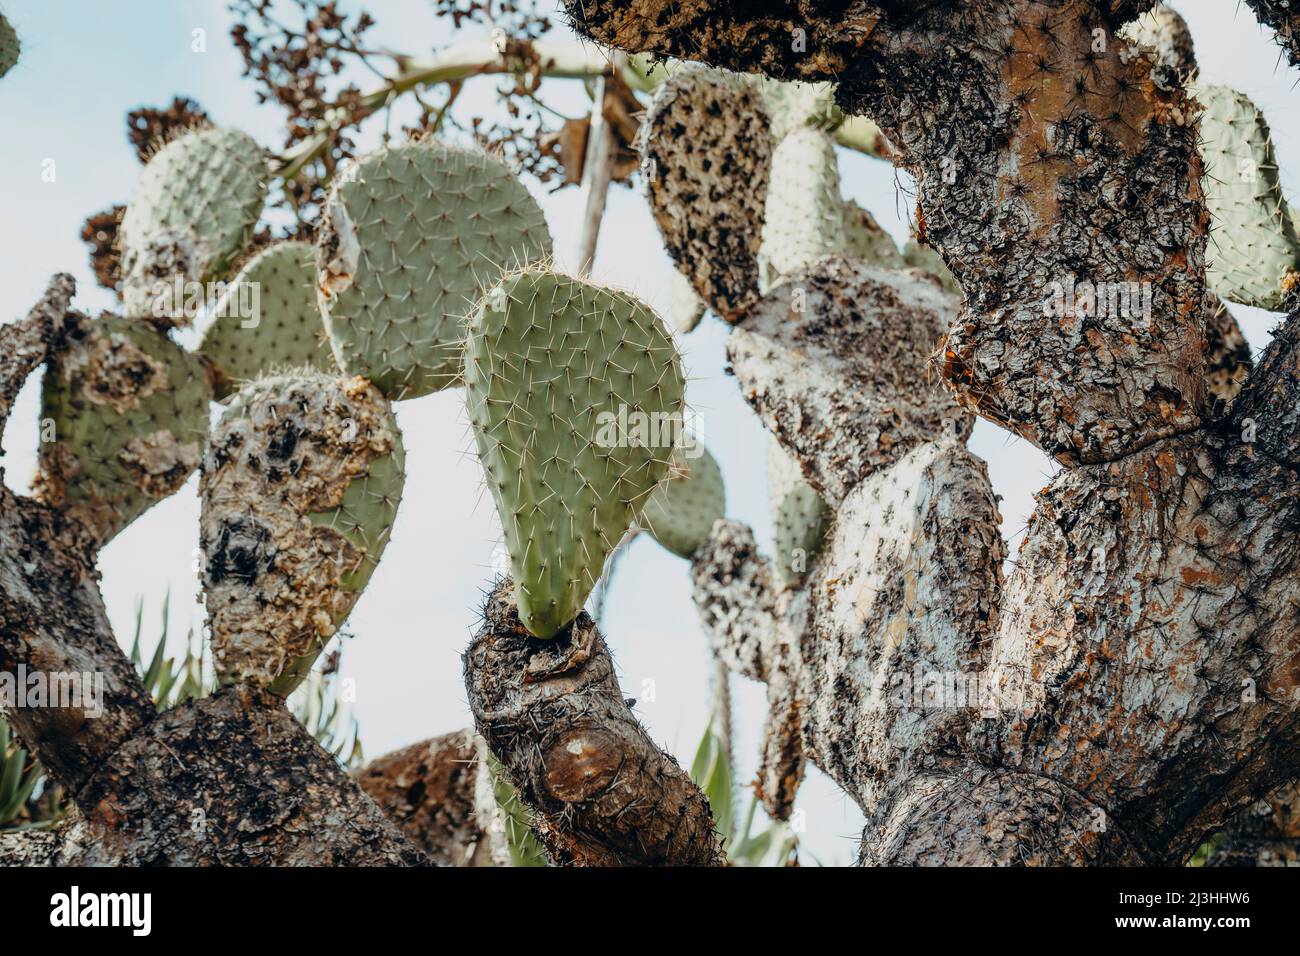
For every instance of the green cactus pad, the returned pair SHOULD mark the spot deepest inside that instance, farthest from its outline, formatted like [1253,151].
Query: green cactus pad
[681,512]
[301,485]
[411,236]
[193,211]
[804,217]
[287,331]
[576,397]
[128,411]
[1253,256]
[800,518]
[10,48]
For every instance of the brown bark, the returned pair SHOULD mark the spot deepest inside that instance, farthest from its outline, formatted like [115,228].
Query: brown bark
[230,779]
[553,714]
[52,618]
[430,791]
[1267,833]
[1284,17]
[1138,665]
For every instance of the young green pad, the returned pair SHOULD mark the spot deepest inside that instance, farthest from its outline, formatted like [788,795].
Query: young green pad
[301,485]
[681,512]
[800,518]
[576,397]
[10,48]
[193,211]
[129,410]
[803,220]
[410,237]
[1253,257]
[286,331]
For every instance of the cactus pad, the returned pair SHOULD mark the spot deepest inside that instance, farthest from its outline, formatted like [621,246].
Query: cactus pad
[1253,257]
[804,216]
[706,152]
[193,211]
[796,105]
[129,410]
[926,259]
[411,236]
[681,512]
[575,394]
[800,518]
[300,487]
[865,239]
[10,48]
[286,333]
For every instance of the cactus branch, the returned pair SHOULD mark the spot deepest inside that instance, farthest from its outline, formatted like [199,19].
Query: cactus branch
[553,713]
[24,344]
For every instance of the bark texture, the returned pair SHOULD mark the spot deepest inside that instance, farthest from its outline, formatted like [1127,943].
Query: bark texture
[231,779]
[1267,833]
[1284,17]
[1132,683]
[553,714]
[429,790]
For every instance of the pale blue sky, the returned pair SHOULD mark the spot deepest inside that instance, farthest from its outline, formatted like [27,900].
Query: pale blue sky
[84,66]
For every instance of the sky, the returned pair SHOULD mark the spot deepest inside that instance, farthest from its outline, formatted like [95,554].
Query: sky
[64,108]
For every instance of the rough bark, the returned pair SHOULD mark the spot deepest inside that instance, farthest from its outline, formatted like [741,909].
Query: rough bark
[1267,833]
[1035,159]
[1284,17]
[52,618]
[836,360]
[429,790]
[231,779]
[554,716]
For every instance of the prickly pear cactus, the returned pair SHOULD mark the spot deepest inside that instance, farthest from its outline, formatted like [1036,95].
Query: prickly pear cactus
[866,239]
[926,259]
[800,518]
[1253,256]
[576,398]
[411,235]
[194,209]
[284,330]
[1165,35]
[795,105]
[681,512]
[9,46]
[706,152]
[804,216]
[301,483]
[126,411]
[686,309]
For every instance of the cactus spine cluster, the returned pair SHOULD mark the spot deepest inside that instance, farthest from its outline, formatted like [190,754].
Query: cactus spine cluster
[576,397]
